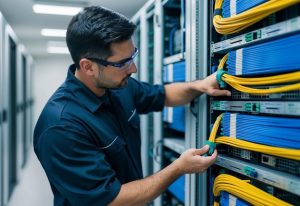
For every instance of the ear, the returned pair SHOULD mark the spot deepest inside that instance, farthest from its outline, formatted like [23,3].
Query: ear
[87,67]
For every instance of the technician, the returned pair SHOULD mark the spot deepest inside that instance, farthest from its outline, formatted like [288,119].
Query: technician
[87,137]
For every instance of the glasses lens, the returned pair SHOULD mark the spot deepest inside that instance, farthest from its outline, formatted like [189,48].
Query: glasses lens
[127,64]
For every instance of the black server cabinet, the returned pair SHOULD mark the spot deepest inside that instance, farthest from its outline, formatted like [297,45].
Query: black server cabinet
[24,111]
[12,140]
[12,114]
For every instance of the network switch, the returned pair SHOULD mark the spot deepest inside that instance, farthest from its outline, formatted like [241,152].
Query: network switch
[258,107]
[277,163]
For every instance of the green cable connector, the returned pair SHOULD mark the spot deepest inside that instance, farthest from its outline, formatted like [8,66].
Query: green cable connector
[212,147]
[253,36]
[256,107]
[248,107]
[250,171]
[252,107]
[216,104]
[248,37]
[220,73]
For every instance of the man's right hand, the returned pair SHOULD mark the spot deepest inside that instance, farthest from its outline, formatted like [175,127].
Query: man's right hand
[192,161]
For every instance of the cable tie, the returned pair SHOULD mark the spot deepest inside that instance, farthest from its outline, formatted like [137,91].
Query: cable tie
[218,12]
[220,73]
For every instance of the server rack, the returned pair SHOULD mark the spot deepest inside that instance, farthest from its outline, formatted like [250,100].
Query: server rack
[10,104]
[23,108]
[24,96]
[173,122]
[16,109]
[273,174]
[156,34]
[196,116]
[150,70]
[20,114]
[29,103]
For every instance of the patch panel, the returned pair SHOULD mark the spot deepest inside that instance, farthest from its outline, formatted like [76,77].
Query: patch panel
[268,176]
[272,162]
[260,35]
[259,107]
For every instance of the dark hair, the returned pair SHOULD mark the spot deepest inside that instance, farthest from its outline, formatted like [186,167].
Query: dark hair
[91,32]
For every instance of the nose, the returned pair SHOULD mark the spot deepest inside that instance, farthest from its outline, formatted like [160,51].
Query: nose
[132,68]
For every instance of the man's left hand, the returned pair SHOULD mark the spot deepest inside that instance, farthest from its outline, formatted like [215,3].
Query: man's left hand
[211,86]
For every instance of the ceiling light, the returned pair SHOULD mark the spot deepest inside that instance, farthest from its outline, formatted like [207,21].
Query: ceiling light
[54,32]
[56,44]
[57,10]
[57,50]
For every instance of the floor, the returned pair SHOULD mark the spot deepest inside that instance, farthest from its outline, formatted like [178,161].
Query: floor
[33,188]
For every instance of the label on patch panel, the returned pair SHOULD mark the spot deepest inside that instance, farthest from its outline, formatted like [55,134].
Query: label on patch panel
[272,107]
[290,108]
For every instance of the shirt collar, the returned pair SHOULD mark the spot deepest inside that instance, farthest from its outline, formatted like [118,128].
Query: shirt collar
[82,94]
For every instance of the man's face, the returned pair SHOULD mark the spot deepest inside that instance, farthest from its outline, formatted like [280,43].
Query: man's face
[116,77]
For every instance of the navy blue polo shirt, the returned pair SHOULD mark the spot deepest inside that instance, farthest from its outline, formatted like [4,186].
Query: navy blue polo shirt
[89,146]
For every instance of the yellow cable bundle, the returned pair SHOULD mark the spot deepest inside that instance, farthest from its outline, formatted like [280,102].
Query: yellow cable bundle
[232,141]
[277,151]
[243,190]
[247,18]
[239,82]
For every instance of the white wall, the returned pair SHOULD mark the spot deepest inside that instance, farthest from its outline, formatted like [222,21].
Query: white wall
[49,73]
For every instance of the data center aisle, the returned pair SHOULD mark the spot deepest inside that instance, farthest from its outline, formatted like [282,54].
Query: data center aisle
[33,188]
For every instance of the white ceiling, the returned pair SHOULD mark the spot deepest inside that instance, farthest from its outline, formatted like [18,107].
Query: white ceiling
[27,24]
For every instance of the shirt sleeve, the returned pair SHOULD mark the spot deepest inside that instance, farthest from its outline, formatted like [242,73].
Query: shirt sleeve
[76,167]
[148,98]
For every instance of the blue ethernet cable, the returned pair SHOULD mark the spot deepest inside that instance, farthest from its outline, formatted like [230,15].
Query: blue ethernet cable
[278,56]
[281,132]
[238,6]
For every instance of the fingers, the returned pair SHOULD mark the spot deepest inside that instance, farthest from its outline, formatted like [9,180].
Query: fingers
[201,151]
[220,92]
[211,159]
[208,160]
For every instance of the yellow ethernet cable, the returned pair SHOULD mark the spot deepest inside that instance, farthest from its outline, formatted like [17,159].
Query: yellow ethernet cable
[232,141]
[247,18]
[239,82]
[245,191]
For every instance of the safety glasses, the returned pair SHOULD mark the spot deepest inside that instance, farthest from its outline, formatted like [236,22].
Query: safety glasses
[122,64]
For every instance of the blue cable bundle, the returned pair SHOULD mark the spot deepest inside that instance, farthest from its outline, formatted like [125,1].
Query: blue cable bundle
[278,56]
[229,200]
[281,132]
[177,188]
[175,116]
[174,72]
[230,7]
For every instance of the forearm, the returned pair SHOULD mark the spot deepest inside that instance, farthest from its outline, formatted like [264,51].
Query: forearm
[182,93]
[143,191]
